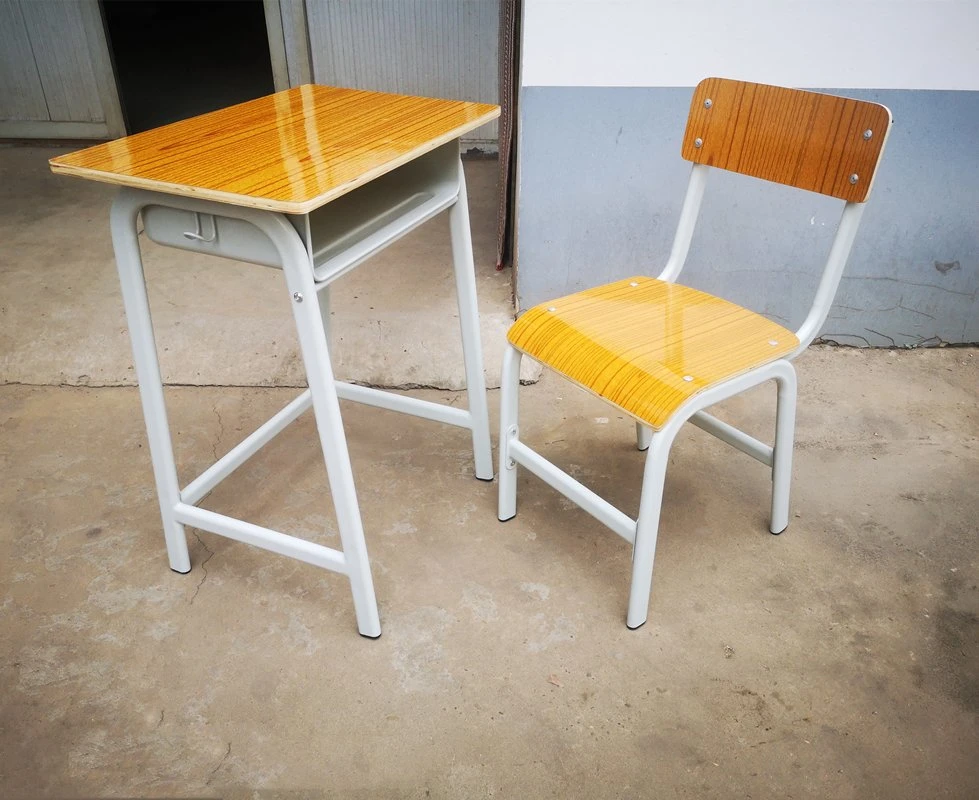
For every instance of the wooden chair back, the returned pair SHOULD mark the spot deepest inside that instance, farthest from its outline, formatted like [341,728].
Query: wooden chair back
[812,141]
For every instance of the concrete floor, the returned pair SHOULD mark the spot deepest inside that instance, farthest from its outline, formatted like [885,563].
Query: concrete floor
[838,660]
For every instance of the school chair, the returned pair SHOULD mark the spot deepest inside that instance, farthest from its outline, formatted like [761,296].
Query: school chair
[662,352]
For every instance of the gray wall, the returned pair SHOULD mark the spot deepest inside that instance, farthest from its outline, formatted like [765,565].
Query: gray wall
[433,48]
[55,77]
[601,181]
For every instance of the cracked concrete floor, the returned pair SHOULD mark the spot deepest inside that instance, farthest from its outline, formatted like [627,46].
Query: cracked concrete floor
[838,660]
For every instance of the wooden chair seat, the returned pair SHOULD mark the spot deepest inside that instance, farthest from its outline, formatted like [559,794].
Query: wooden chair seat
[646,345]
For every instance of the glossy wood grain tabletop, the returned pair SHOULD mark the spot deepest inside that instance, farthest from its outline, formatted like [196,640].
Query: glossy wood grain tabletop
[646,345]
[292,151]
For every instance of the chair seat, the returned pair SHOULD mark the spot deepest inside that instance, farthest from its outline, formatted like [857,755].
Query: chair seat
[647,346]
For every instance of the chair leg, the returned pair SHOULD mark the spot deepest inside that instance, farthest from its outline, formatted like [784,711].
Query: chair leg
[782,455]
[509,388]
[643,436]
[647,525]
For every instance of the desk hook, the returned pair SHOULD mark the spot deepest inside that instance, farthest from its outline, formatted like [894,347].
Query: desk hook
[198,235]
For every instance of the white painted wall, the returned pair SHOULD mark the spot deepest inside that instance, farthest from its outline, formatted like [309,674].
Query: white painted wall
[869,44]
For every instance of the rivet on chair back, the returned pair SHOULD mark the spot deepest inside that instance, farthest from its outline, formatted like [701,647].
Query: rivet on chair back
[813,141]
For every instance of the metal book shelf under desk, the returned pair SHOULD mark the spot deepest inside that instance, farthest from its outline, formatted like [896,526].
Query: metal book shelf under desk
[339,235]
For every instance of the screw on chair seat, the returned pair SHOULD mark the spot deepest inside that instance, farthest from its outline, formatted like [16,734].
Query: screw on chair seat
[646,345]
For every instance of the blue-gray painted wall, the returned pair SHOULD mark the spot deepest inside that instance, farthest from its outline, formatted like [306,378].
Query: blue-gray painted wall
[601,182]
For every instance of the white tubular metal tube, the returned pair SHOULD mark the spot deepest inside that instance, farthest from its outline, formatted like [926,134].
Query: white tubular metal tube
[599,508]
[329,423]
[323,297]
[404,404]
[644,435]
[353,561]
[509,433]
[738,439]
[311,553]
[846,233]
[125,208]
[647,526]
[686,224]
[245,449]
[784,440]
[472,349]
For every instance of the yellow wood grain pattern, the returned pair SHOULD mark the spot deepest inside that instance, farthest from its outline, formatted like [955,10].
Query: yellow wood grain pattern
[292,151]
[647,346]
[804,139]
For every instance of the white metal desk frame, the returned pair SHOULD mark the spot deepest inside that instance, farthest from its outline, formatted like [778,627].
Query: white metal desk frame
[178,505]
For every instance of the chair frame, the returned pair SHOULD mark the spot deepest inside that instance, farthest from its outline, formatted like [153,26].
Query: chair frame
[642,532]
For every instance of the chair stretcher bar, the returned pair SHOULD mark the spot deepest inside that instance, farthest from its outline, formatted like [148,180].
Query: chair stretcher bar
[738,439]
[575,491]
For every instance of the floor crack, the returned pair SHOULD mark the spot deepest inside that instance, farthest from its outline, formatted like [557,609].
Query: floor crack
[220,764]
[210,555]
[220,436]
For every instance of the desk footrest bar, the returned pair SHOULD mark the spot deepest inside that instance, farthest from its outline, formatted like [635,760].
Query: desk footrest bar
[406,405]
[738,439]
[244,450]
[267,539]
[600,509]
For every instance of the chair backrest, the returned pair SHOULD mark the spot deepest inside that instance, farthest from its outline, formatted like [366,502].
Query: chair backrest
[813,141]
[826,144]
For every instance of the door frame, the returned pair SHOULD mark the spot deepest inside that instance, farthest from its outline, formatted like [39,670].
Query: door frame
[113,125]
[285,21]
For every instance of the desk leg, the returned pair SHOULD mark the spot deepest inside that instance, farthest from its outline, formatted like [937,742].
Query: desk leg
[323,297]
[309,317]
[130,266]
[472,350]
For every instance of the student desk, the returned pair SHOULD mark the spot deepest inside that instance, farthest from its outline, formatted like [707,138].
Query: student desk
[312,181]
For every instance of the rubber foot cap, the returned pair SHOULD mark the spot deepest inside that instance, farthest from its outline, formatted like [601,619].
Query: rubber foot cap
[507,519]
[779,533]
[637,626]
[369,637]
[187,572]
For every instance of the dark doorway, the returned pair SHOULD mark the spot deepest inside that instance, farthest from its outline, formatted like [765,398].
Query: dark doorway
[177,58]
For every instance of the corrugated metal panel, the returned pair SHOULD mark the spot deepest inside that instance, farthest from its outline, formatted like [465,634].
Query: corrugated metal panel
[436,48]
[296,41]
[57,34]
[21,95]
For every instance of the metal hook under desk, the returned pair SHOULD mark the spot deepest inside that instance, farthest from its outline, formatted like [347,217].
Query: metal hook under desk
[198,235]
